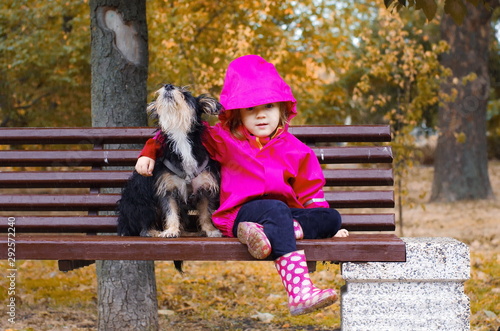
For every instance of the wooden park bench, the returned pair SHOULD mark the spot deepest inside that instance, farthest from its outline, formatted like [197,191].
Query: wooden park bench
[52,198]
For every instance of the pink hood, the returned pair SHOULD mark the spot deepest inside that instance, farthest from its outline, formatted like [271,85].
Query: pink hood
[251,81]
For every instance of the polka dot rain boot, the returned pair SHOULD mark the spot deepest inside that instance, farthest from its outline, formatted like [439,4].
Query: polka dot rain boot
[252,235]
[297,229]
[303,296]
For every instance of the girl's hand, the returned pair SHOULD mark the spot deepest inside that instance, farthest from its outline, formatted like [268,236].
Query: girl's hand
[145,166]
[342,233]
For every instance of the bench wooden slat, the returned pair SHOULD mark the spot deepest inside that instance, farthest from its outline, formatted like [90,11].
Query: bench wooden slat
[309,134]
[357,247]
[359,177]
[58,202]
[360,199]
[64,179]
[19,136]
[63,224]
[68,158]
[102,202]
[372,154]
[358,154]
[342,133]
[369,222]
[107,224]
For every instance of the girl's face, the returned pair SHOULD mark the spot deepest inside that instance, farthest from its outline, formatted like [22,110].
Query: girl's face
[261,121]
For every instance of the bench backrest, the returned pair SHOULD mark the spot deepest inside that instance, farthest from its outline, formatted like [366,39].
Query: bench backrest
[51,179]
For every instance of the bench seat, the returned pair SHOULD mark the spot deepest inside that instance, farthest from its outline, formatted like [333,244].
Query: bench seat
[357,247]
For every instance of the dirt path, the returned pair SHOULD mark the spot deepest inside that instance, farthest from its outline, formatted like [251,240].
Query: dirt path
[476,223]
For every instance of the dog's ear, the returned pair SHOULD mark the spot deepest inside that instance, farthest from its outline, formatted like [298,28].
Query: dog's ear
[152,107]
[209,105]
[151,111]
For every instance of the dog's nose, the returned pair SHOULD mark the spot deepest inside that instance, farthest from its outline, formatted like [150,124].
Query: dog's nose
[169,87]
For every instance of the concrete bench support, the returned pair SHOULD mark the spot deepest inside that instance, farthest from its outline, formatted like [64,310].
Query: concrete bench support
[424,293]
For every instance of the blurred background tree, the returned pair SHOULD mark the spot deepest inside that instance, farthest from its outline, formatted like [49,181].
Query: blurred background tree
[44,63]
[461,163]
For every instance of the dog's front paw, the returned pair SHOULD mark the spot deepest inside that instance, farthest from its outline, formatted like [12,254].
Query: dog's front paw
[170,233]
[213,234]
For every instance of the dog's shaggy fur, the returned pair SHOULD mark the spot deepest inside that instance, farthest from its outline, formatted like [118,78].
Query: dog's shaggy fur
[184,177]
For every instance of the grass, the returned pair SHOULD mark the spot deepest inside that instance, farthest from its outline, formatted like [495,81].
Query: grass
[209,295]
[212,296]
[483,290]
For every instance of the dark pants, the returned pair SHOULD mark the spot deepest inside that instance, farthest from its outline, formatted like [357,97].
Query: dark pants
[277,219]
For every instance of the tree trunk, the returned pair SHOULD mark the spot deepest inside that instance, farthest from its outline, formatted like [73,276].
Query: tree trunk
[126,289]
[127,295]
[461,161]
[119,62]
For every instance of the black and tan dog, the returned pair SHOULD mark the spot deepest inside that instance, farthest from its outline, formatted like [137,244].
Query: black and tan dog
[184,177]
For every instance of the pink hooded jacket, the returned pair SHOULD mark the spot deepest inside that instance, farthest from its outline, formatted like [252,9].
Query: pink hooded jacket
[283,168]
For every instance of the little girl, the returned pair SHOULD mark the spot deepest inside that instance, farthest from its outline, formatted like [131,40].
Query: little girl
[271,191]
